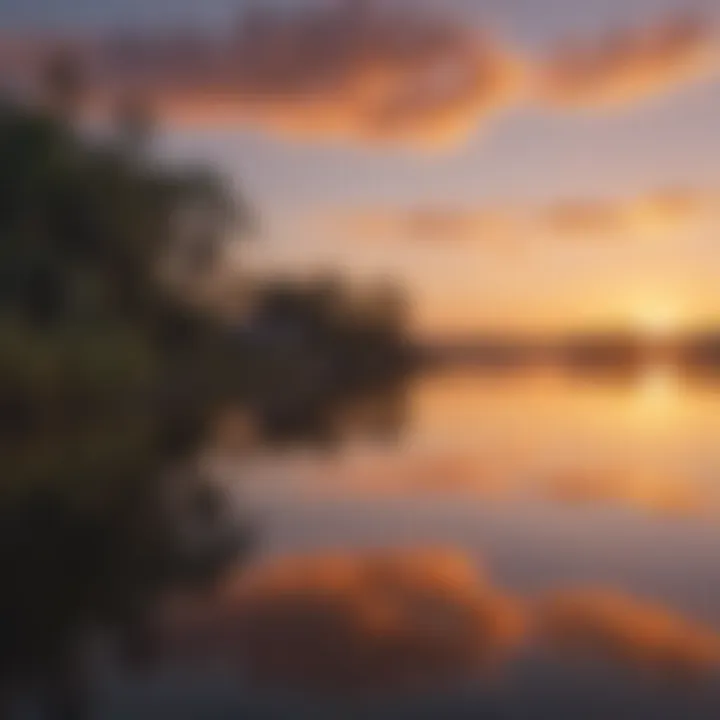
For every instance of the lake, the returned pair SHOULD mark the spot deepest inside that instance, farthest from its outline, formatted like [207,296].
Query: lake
[505,544]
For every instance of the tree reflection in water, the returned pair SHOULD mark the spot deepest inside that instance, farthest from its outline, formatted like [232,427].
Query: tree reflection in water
[100,523]
[97,524]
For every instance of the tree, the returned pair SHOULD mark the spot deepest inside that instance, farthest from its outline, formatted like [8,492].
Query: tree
[99,410]
[100,254]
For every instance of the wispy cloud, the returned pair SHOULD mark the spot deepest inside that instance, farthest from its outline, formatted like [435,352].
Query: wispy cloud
[430,224]
[647,214]
[497,224]
[630,65]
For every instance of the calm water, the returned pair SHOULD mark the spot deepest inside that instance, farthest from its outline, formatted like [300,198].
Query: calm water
[522,546]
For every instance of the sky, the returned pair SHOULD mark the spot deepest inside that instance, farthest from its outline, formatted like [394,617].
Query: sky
[529,165]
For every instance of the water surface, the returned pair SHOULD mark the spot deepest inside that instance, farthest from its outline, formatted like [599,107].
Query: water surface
[522,545]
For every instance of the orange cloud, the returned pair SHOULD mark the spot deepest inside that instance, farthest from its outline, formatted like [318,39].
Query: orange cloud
[622,628]
[630,65]
[357,72]
[585,217]
[646,215]
[430,224]
[346,622]
[349,70]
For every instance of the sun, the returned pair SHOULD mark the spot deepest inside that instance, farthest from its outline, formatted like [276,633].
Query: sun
[657,320]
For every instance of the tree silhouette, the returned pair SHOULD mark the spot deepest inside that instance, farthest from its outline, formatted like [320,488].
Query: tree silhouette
[98,343]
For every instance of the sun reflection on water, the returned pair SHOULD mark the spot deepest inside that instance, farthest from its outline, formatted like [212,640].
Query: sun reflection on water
[659,388]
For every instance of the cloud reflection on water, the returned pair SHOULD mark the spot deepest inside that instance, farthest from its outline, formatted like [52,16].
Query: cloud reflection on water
[387,621]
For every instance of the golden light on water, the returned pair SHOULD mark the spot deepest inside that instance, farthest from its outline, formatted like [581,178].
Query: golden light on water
[658,388]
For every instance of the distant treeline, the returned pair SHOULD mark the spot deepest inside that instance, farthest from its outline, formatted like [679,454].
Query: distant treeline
[697,352]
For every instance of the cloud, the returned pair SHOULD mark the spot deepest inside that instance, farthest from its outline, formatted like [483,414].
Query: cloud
[653,213]
[630,65]
[359,72]
[349,70]
[648,215]
[625,629]
[373,621]
[429,224]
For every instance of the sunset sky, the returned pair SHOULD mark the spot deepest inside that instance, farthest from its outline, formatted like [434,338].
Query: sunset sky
[517,164]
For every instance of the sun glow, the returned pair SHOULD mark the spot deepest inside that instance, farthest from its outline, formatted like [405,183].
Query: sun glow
[657,321]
